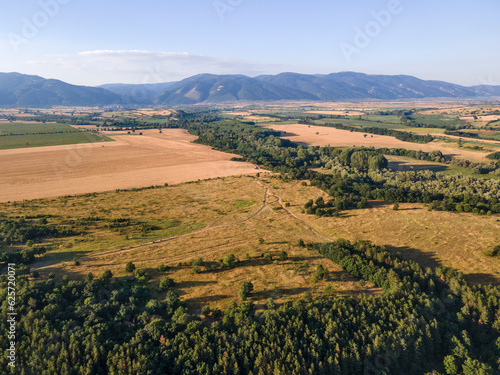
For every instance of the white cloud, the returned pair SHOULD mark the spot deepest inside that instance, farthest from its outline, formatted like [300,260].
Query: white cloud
[138,66]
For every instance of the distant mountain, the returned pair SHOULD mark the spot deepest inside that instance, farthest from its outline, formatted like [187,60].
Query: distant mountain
[24,90]
[33,91]
[487,90]
[350,85]
[138,94]
[213,88]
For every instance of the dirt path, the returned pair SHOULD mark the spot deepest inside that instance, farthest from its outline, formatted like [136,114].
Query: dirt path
[265,203]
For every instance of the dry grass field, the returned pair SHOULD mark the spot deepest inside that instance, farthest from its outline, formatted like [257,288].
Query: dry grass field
[132,161]
[322,136]
[235,215]
[433,238]
[249,218]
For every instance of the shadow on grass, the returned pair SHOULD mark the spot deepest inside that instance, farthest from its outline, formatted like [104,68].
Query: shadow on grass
[407,166]
[206,300]
[193,283]
[481,278]
[53,258]
[279,293]
[425,259]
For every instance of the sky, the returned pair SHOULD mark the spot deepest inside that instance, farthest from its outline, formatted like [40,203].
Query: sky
[93,42]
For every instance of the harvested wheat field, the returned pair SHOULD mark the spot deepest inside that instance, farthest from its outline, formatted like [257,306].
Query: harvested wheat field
[322,136]
[131,161]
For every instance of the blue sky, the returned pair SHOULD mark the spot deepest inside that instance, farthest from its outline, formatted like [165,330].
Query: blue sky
[94,42]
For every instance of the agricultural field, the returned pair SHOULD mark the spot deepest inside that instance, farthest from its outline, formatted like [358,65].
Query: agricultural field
[322,136]
[152,158]
[23,135]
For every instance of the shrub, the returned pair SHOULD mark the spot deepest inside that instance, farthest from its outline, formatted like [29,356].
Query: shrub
[130,267]
[493,253]
[229,260]
[163,268]
[205,311]
[246,289]
[166,283]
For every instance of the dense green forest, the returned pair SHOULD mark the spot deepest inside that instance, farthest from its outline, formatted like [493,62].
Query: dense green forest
[425,320]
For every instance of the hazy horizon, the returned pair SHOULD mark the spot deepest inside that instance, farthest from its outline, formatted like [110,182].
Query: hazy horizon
[93,43]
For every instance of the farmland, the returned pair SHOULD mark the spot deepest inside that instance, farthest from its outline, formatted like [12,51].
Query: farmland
[322,136]
[22,135]
[131,161]
[195,232]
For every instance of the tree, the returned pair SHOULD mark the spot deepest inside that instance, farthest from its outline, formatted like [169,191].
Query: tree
[229,260]
[377,162]
[166,283]
[359,160]
[245,290]
[321,273]
[130,267]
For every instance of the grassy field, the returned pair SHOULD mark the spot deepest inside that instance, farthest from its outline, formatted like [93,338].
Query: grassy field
[22,135]
[403,164]
[437,120]
[255,220]
[209,219]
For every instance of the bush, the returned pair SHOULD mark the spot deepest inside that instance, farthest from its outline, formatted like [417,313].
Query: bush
[283,255]
[493,253]
[163,268]
[229,260]
[246,289]
[205,311]
[166,283]
[130,267]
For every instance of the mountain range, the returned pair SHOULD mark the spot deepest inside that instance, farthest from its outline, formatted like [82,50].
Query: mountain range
[27,90]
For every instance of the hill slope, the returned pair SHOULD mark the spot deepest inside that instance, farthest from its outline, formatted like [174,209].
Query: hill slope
[26,90]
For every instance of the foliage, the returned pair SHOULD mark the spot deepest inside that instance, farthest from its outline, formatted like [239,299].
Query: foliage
[245,290]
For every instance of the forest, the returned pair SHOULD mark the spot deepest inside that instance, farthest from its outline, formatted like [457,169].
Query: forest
[425,320]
